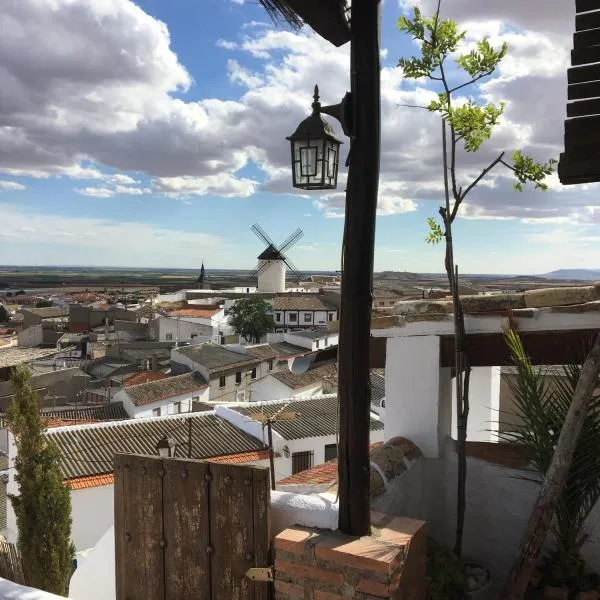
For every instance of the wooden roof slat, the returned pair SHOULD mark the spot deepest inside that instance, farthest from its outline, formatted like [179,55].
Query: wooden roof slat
[583,74]
[579,146]
[572,170]
[586,5]
[586,39]
[582,125]
[579,91]
[583,108]
[584,56]
[588,20]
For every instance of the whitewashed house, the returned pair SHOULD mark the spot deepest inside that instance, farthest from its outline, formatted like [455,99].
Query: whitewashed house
[286,384]
[162,397]
[181,330]
[308,440]
[311,339]
[304,311]
[88,452]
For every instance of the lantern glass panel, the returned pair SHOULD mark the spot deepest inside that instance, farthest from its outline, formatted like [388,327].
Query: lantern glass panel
[309,164]
[332,161]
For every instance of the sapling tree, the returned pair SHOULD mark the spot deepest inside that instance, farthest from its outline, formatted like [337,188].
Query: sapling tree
[466,125]
[43,505]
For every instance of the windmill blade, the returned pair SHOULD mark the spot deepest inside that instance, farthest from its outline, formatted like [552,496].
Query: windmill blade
[291,240]
[296,274]
[254,272]
[262,268]
[262,234]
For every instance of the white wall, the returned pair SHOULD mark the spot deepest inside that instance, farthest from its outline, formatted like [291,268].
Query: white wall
[270,388]
[417,394]
[13,591]
[173,329]
[93,512]
[484,405]
[167,405]
[271,276]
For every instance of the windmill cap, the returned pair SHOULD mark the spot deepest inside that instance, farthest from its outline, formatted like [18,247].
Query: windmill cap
[271,253]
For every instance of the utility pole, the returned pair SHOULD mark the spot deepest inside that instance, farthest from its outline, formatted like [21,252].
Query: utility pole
[271,453]
[357,278]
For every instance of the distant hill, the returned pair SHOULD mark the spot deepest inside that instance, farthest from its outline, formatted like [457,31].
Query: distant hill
[581,274]
[398,275]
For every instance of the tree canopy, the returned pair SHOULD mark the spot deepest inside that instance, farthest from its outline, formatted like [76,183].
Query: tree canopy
[3,314]
[43,506]
[251,318]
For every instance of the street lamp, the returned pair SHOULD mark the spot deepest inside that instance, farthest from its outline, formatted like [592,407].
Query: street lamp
[316,149]
[166,446]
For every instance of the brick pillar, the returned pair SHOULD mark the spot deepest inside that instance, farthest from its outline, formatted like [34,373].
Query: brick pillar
[314,564]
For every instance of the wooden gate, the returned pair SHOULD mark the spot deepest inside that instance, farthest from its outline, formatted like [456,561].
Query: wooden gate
[188,529]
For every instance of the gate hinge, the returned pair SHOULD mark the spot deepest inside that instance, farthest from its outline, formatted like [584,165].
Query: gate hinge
[260,574]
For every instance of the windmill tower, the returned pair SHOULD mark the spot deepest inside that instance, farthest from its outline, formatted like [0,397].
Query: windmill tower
[273,263]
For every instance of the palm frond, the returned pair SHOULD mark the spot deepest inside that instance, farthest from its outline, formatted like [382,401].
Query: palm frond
[281,9]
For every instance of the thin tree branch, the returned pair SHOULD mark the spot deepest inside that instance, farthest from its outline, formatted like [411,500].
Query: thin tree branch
[413,106]
[462,85]
[508,166]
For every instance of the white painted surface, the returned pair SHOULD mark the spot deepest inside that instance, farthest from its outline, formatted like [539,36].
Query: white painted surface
[270,388]
[484,405]
[271,276]
[92,510]
[172,329]
[14,591]
[288,509]
[414,386]
[167,405]
[94,578]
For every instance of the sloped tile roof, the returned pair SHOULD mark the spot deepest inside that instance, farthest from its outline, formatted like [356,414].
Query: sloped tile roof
[161,389]
[323,473]
[90,449]
[285,350]
[196,313]
[10,357]
[217,358]
[310,377]
[112,411]
[48,312]
[377,388]
[143,377]
[303,302]
[262,351]
[316,417]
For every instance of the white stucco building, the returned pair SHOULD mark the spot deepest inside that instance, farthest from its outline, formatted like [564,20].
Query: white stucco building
[163,397]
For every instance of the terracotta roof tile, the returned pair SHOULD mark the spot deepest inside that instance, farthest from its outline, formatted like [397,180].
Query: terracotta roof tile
[143,377]
[81,483]
[197,313]
[241,458]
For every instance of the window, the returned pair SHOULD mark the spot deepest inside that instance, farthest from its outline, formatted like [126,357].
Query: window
[222,381]
[301,461]
[317,344]
[331,316]
[169,337]
[278,317]
[307,317]
[194,335]
[270,365]
[176,407]
[293,317]
[253,373]
[238,377]
[156,412]
[382,303]
[330,451]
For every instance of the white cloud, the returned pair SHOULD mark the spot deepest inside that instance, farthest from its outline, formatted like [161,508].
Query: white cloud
[104,241]
[11,186]
[220,184]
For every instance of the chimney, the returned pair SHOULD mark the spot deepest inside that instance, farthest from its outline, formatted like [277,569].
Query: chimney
[154,361]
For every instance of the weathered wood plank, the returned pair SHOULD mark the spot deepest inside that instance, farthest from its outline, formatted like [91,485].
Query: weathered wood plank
[187,530]
[571,171]
[142,554]
[586,39]
[580,91]
[585,56]
[232,530]
[582,146]
[583,74]
[120,526]
[261,510]
[588,20]
[583,125]
[586,5]
[583,108]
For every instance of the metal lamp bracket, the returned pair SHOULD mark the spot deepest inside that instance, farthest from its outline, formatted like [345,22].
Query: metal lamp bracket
[342,112]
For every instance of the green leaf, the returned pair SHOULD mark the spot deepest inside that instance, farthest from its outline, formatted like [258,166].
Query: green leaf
[527,170]
[435,234]
[483,60]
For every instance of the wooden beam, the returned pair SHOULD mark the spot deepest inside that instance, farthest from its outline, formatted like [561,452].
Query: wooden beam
[583,107]
[586,39]
[583,74]
[583,125]
[357,278]
[572,171]
[585,56]
[580,91]
[587,21]
[377,352]
[586,5]
[543,348]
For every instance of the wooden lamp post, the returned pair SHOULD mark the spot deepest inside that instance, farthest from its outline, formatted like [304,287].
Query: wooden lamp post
[340,21]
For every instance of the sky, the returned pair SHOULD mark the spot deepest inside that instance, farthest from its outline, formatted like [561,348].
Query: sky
[152,134]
